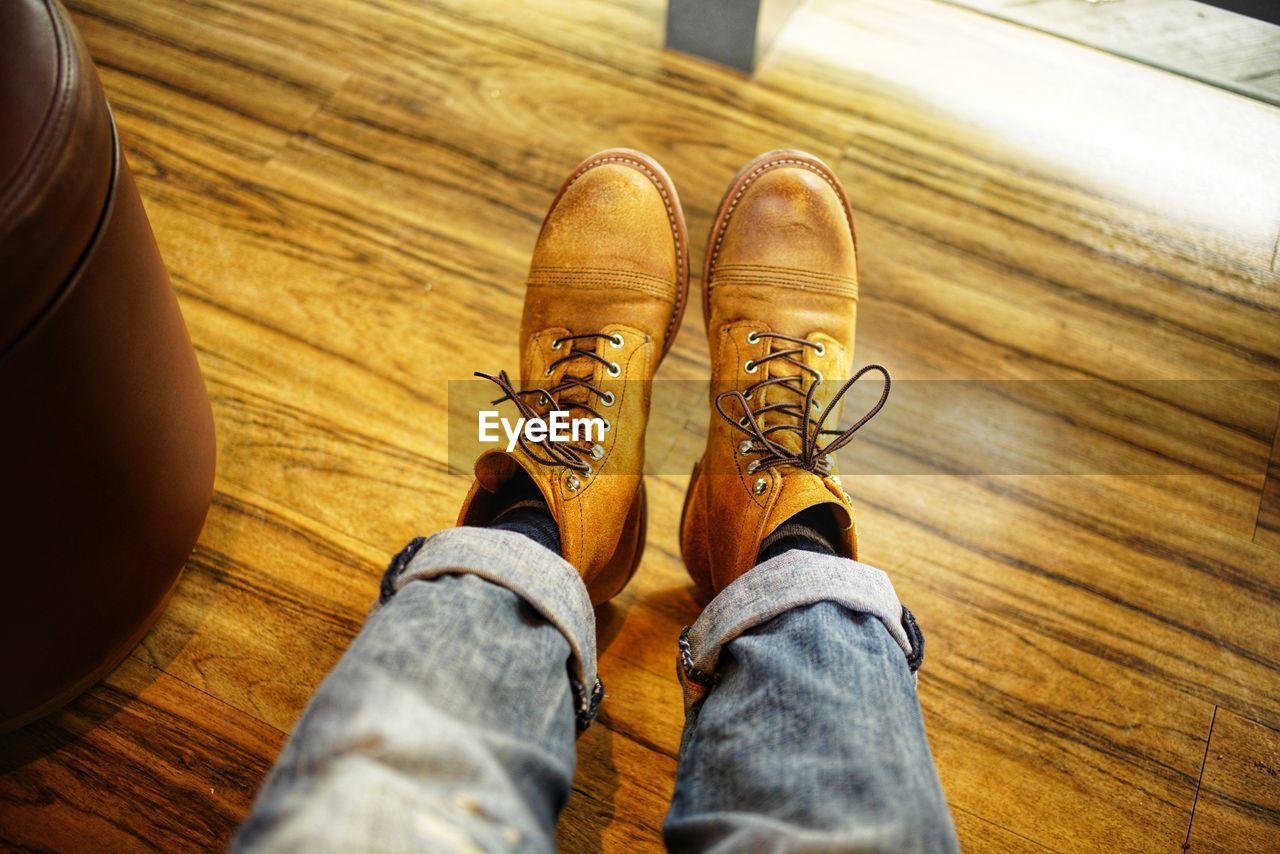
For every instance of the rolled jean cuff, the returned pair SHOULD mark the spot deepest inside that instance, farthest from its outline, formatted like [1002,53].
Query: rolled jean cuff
[543,579]
[793,579]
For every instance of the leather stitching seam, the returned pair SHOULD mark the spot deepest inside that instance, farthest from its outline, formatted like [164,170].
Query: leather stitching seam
[742,189]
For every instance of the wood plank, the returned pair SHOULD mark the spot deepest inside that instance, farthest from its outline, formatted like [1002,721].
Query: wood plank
[143,761]
[267,604]
[1099,571]
[620,788]
[1267,528]
[347,194]
[225,82]
[982,835]
[1238,808]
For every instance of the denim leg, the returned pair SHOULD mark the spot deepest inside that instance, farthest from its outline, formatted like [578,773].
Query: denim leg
[802,730]
[449,723]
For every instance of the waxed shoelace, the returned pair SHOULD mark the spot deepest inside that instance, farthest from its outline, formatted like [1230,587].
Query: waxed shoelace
[568,455]
[810,457]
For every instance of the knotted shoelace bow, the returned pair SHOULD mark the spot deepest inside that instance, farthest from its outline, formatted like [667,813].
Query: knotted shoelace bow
[810,457]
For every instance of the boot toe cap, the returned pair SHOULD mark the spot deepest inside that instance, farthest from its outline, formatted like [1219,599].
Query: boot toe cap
[790,217]
[613,216]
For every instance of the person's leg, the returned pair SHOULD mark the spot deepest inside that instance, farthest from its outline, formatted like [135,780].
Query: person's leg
[450,722]
[802,727]
[803,731]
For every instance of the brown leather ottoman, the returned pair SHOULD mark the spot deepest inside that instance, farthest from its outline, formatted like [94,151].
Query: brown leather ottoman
[106,436]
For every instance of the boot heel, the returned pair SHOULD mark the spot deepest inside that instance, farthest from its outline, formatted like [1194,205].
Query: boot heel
[694,546]
[626,558]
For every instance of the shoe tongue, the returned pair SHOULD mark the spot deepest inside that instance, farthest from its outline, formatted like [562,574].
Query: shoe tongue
[774,394]
[494,468]
[800,491]
[582,368]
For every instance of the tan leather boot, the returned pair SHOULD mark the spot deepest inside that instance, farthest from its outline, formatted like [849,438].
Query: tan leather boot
[780,294]
[605,295]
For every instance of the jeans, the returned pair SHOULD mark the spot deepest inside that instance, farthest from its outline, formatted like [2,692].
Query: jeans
[450,722]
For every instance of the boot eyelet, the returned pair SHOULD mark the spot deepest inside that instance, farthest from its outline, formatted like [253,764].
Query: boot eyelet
[615,369]
[616,341]
[817,405]
[608,398]
[572,483]
[753,467]
[761,486]
[557,344]
[753,337]
[597,452]
[820,350]
[750,366]
[818,378]
[586,474]
[547,372]
[830,461]
[745,448]
[608,425]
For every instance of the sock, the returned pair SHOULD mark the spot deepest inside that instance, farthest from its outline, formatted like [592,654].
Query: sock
[811,530]
[521,508]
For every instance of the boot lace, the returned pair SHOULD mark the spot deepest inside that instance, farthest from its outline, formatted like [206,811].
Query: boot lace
[798,417]
[558,397]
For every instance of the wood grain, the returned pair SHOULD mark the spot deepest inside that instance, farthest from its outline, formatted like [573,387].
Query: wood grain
[346,196]
[143,761]
[1267,527]
[1238,808]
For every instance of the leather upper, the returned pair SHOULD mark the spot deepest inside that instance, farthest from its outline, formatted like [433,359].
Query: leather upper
[781,259]
[57,156]
[611,259]
[788,241]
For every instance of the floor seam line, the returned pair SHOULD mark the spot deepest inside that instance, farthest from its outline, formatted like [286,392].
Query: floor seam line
[1266,476]
[1204,760]
[136,656]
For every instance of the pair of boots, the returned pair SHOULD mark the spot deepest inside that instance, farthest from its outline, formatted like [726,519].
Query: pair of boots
[606,292]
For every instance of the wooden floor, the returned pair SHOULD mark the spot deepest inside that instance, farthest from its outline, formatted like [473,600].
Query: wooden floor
[347,193]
